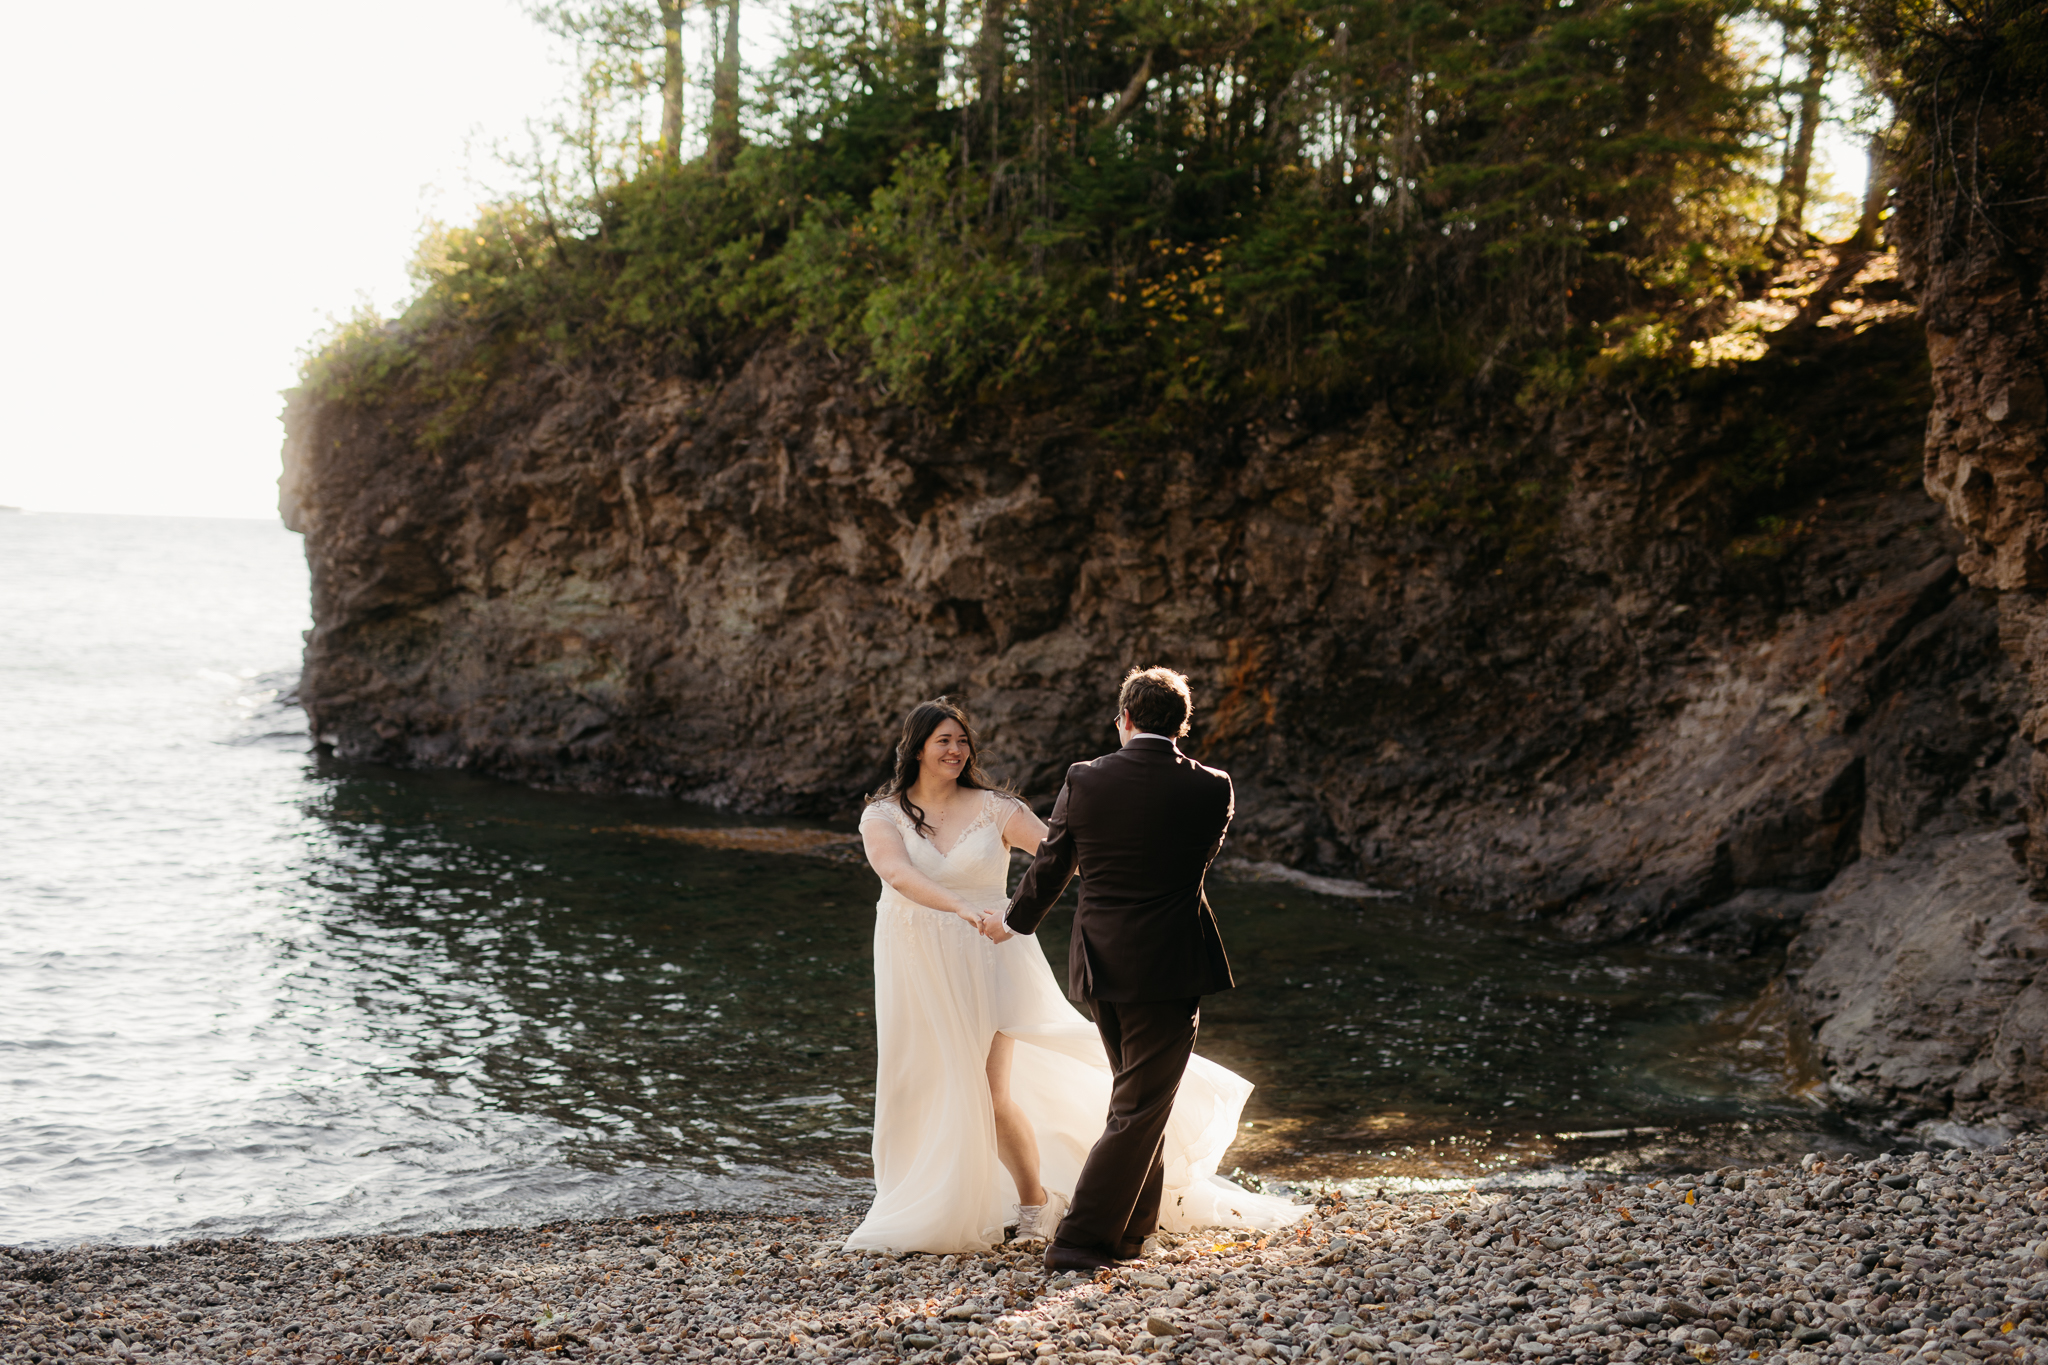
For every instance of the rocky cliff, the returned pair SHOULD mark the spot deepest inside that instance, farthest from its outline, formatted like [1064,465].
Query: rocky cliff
[1920,976]
[1661,660]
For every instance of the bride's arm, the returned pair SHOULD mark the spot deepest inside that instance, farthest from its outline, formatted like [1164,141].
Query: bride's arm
[1023,829]
[890,859]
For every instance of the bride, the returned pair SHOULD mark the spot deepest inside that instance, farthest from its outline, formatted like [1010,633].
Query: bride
[990,1086]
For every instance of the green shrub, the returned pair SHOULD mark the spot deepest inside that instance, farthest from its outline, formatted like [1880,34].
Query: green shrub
[1327,201]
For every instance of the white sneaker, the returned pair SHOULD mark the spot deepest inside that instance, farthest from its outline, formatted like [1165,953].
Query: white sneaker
[1037,1222]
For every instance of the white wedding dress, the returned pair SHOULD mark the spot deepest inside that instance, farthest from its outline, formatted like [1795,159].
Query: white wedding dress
[942,992]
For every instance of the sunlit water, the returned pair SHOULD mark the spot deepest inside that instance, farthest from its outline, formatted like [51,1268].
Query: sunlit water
[244,986]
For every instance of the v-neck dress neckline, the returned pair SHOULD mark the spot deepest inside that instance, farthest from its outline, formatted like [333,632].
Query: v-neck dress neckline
[974,827]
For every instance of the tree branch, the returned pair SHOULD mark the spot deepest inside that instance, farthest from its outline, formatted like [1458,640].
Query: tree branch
[1134,93]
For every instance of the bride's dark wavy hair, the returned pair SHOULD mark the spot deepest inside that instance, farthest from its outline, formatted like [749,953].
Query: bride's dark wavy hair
[924,718]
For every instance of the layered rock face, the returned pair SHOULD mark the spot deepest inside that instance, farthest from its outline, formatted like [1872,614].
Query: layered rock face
[1974,248]
[1566,661]
[1956,921]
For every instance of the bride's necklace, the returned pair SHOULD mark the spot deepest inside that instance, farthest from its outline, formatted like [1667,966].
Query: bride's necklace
[935,814]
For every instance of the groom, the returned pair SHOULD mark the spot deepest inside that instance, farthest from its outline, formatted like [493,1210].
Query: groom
[1140,826]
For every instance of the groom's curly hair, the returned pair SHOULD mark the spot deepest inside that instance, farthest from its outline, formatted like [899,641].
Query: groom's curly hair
[1157,700]
[924,718]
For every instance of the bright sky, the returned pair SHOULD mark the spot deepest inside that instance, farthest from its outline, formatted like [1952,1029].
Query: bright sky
[193,191]
[191,202]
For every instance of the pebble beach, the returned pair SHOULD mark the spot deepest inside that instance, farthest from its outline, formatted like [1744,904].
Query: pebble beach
[1927,1256]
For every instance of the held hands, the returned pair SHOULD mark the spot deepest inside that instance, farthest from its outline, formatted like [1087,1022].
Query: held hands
[988,923]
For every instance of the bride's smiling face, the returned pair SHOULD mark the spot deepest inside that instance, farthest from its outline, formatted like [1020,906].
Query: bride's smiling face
[944,756]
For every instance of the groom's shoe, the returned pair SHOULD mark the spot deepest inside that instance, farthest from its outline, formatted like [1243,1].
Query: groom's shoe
[1059,1256]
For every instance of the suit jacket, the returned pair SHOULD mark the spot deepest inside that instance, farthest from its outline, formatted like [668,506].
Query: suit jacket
[1141,826]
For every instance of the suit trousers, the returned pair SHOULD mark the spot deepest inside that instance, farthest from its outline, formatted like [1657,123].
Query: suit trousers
[1116,1199]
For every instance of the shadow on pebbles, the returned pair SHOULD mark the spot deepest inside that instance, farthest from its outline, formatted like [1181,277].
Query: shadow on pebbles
[1916,1258]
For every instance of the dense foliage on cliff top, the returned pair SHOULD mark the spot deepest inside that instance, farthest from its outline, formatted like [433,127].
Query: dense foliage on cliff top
[1145,207]
[1970,78]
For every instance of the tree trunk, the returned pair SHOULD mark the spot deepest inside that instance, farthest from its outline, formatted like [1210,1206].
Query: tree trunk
[988,66]
[1875,191]
[926,49]
[725,94]
[1791,227]
[671,81]
[1405,168]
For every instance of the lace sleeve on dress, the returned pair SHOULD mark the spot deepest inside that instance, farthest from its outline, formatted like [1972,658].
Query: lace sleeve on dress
[882,813]
[1007,807]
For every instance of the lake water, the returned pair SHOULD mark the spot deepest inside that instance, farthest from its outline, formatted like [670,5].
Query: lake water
[246,987]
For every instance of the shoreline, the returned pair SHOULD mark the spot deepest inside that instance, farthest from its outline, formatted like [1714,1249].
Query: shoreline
[1915,1256]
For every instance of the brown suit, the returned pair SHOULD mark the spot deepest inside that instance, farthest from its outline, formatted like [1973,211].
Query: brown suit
[1140,826]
